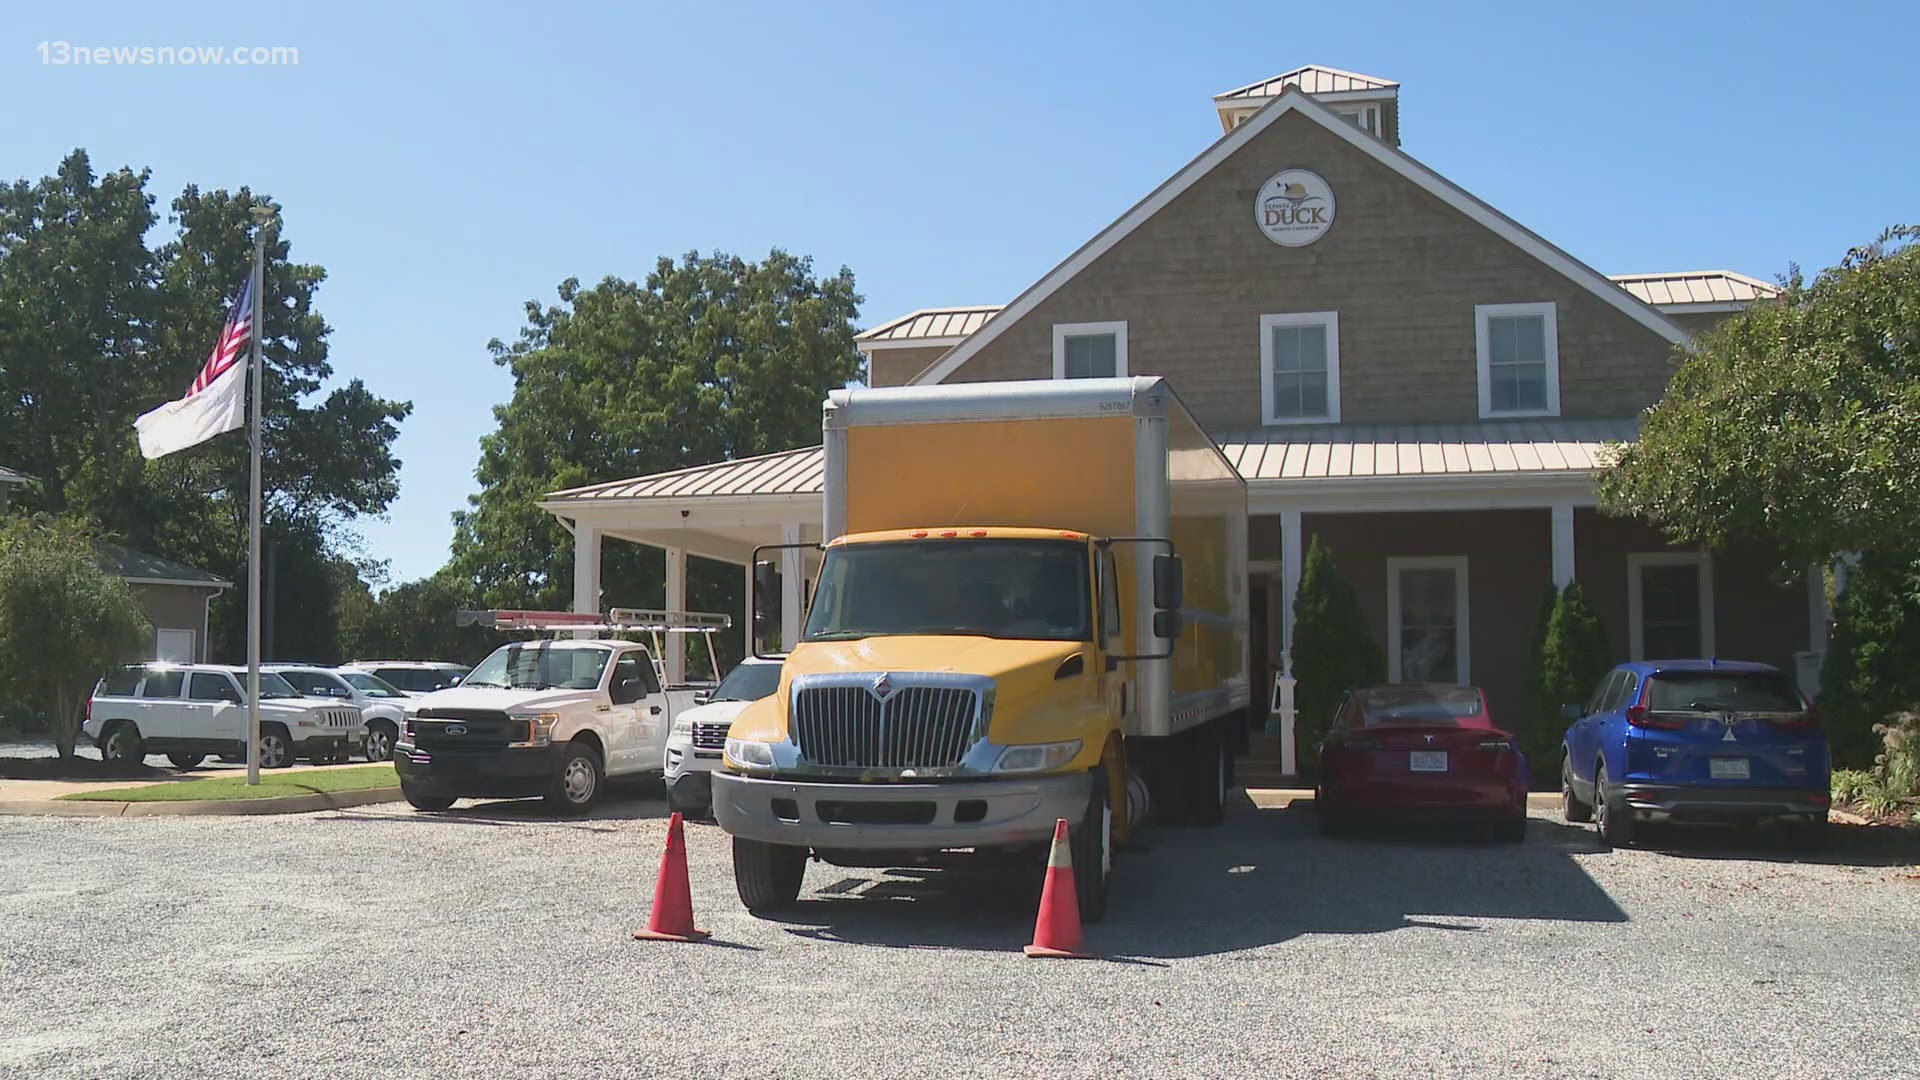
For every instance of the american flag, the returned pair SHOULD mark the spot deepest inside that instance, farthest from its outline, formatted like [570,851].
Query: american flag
[233,338]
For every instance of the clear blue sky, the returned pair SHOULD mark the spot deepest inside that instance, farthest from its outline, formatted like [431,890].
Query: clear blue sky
[446,162]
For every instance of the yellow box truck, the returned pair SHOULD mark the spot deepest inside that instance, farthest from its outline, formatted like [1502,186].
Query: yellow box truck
[1032,605]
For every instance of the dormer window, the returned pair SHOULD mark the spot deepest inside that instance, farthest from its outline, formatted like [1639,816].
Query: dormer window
[1364,117]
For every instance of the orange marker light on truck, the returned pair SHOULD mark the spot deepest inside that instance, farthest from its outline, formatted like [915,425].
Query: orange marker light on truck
[948,533]
[978,532]
[921,535]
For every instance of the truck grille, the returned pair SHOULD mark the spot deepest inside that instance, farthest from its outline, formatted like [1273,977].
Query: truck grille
[710,736]
[340,719]
[477,729]
[847,725]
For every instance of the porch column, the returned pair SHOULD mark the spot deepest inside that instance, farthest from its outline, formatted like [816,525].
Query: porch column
[746,614]
[586,571]
[1291,561]
[793,576]
[1562,544]
[676,658]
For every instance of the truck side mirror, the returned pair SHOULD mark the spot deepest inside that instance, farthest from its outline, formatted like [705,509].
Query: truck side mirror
[1167,622]
[1169,586]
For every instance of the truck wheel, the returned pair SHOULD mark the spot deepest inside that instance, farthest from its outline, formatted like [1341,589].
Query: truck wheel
[121,745]
[576,787]
[183,762]
[685,807]
[768,876]
[378,745]
[276,748]
[421,801]
[1092,843]
[1206,779]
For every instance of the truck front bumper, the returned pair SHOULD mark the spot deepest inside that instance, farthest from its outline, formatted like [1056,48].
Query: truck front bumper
[478,774]
[898,817]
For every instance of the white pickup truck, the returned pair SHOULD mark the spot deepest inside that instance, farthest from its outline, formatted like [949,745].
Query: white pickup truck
[540,718]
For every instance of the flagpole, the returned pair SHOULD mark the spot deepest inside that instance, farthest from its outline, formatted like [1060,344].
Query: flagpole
[261,215]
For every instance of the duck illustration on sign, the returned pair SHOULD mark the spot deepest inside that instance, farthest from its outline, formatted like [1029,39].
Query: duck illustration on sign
[1294,208]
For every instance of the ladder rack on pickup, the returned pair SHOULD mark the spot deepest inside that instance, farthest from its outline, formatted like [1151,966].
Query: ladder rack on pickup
[650,622]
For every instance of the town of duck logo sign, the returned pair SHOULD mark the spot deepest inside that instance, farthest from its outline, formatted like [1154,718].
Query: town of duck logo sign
[1294,208]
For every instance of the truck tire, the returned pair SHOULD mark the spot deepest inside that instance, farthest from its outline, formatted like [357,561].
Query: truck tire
[1206,777]
[768,876]
[120,744]
[276,747]
[185,761]
[687,807]
[422,801]
[577,783]
[1092,843]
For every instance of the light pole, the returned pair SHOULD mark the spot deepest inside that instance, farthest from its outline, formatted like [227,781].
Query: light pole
[262,218]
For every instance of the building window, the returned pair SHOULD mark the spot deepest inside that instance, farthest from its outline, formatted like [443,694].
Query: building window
[1670,605]
[1300,367]
[1519,350]
[1364,117]
[1089,350]
[1427,620]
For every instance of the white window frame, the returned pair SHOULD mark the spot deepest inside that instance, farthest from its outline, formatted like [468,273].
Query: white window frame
[1461,609]
[1483,347]
[1364,117]
[1062,331]
[1636,603]
[1268,323]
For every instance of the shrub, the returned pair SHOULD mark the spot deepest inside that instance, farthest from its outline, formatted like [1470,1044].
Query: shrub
[1570,655]
[1333,652]
[1897,768]
[1869,673]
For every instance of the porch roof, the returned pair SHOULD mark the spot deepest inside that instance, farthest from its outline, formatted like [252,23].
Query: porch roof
[1491,447]
[789,472]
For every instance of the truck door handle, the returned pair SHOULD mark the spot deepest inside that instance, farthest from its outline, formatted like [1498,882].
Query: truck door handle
[1113,664]
[655,710]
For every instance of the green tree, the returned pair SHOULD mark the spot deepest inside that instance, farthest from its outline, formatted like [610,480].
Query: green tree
[1796,421]
[1870,671]
[1333,651]
[414,620]
[1570,655]
[708,358]
[63,620]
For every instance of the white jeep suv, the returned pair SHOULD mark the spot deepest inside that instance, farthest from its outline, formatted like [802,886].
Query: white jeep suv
[382,704]
[187,711]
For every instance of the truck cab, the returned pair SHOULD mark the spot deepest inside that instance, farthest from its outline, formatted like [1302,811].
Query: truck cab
[549,718]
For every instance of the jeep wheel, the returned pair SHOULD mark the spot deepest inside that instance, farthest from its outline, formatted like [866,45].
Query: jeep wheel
[768,876]
[184,762]
[378,745]
[1092,844]
[276,749]
[121,745]
[576,786]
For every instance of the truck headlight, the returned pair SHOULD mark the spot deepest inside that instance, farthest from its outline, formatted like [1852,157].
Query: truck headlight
[539,728]
[1037,757]
[754,755]
[682,729]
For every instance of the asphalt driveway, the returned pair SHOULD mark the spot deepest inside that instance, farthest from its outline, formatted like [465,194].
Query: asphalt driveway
[493,941]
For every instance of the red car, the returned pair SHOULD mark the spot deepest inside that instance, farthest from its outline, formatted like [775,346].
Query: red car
[1420,753]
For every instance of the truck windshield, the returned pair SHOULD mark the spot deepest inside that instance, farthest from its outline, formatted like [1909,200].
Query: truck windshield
[541,665]
[1025,589]
[748,682]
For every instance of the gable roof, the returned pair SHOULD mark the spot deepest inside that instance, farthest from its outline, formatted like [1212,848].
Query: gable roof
[144,569]
[789,472]
[8,476]
[1312,78]
[1223,148]
[929,326]
[1722,288]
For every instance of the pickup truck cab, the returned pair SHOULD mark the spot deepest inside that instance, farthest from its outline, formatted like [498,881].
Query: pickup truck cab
[553,719]
[187,711]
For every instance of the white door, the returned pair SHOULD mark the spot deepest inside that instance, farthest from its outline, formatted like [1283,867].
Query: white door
[636,717]
[174,645]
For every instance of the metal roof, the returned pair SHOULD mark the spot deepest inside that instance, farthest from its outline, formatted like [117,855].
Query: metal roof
[1697,287]
[931,323]
[789,472]
[1272,453]
[8,476]
[1309,451]
[1314,79]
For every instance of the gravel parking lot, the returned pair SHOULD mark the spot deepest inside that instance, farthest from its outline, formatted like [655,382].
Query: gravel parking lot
[494,941]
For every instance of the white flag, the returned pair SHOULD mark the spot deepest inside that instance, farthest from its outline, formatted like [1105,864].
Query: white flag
[217,400]
[196,418]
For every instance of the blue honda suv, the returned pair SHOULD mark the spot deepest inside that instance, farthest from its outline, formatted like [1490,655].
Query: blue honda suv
[1695,740]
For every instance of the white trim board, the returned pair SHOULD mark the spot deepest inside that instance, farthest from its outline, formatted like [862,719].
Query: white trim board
[1294,100]
[1063,331]
[1636,631]
[1461,609]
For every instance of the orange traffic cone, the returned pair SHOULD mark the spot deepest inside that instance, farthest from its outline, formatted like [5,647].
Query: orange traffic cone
[1056,933]
[672,917]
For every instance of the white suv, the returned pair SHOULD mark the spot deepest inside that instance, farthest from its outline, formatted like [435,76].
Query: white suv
[700,733]
[187,711]
[381,704]
[413,678]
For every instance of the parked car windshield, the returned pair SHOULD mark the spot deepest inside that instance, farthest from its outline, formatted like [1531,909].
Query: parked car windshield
[371,685]
[315,683]
[748,682]
[1026,589]
[272,686]
[1443,706]
[541,665]
[1705,691]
